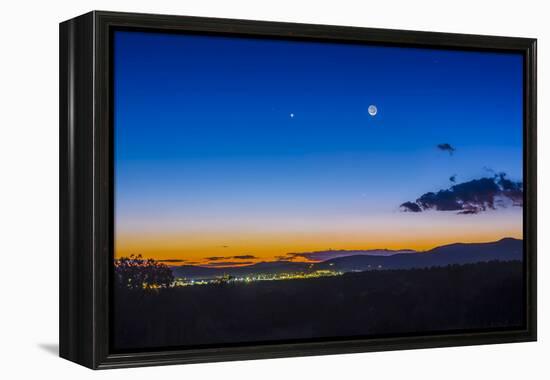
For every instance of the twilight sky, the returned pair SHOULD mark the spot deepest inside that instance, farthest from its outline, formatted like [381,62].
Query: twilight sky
[253,147]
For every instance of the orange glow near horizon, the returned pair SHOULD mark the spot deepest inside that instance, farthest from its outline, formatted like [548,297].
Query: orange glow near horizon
[253,245]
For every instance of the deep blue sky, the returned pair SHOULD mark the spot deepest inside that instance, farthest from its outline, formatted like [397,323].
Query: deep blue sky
[204,136]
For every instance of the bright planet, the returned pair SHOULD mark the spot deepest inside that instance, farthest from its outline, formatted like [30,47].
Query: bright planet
[372,110]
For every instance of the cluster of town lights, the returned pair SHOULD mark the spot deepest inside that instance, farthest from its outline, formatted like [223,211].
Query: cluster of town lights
[258,277]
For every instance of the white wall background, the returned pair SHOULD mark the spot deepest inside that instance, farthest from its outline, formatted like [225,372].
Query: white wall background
[29,187]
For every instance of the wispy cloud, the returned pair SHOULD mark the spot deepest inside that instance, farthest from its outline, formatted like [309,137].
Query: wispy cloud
[446,147]
[215,258]
[228,263]
[236,257]
[244,257]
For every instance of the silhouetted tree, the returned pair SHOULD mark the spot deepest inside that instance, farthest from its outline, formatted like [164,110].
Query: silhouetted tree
[134,272]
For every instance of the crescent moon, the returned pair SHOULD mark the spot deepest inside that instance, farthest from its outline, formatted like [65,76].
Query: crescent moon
[372,110]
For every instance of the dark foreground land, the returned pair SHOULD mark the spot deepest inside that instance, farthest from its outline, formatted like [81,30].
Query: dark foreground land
[472,296]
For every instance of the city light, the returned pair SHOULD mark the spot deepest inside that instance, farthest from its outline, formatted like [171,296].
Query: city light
[256,277]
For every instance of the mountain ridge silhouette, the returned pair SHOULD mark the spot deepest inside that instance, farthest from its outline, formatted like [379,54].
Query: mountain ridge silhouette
[505,249]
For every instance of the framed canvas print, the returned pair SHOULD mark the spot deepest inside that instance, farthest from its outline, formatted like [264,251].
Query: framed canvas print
[237,189]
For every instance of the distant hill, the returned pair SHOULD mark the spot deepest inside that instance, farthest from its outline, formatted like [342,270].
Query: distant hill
[506,249]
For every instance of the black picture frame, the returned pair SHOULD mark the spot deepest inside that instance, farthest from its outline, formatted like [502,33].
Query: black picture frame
[86,185]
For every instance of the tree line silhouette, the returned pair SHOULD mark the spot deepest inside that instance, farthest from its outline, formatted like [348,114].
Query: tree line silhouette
[376,303]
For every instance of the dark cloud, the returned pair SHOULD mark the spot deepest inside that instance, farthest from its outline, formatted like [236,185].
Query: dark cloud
[244,257]
[238,257]
[215,258]
[318,256]
[410,207]
[171,261]
[471,197]
[446,148]
[512,190]
[468,212]
[228,263]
